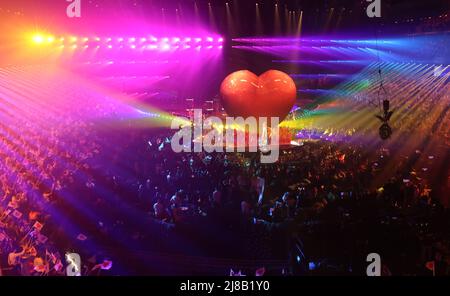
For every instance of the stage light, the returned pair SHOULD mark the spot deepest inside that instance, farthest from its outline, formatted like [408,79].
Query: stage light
[299,27]
[312,266]
[38,39]
[385,131]
[167,43]
[277,20]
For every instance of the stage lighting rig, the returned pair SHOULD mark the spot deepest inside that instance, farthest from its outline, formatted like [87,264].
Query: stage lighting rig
[385,130]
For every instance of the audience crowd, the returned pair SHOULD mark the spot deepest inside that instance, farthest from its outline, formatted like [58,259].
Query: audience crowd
[107,198]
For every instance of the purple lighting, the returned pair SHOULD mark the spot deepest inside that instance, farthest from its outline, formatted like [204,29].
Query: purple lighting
[144,42]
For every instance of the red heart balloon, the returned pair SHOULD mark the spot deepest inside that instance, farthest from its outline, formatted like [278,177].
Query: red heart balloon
[270,95]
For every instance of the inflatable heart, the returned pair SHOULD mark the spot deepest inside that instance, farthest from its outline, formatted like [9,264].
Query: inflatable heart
[270,95]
